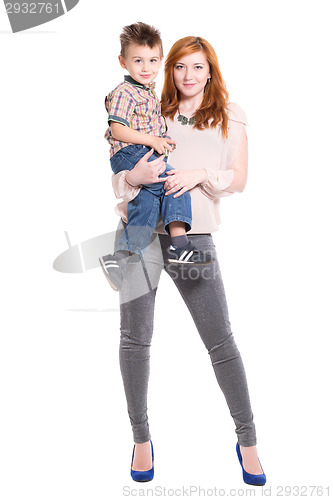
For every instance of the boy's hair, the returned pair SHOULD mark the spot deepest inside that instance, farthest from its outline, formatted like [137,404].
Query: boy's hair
[140,34]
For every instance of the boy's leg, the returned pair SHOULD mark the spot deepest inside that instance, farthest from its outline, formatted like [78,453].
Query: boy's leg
[126,158]
[176,210]
[177,218]
[143,214]
[144,210]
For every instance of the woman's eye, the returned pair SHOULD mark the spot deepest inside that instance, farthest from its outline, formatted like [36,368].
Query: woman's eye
[179,66]
[198,67]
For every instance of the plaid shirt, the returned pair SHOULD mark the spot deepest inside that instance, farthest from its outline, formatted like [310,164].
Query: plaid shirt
[136,106]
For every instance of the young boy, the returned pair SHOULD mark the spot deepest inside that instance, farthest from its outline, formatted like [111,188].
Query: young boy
[135,126]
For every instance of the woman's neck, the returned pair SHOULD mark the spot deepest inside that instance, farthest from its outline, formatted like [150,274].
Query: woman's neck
[189,105]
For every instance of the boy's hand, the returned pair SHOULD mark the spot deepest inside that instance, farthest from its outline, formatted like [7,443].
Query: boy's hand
[161,144]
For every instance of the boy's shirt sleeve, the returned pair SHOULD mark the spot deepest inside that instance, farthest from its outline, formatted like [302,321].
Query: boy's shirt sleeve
[120,106]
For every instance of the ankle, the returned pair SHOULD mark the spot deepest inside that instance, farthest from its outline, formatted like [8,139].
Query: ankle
[179,241]
[250,459]
[142,459]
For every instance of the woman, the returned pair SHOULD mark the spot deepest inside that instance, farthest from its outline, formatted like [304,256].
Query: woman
[210,161]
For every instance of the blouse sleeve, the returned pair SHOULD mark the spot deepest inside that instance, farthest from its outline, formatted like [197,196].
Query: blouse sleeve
[218,180]
[237,123]
[122,189]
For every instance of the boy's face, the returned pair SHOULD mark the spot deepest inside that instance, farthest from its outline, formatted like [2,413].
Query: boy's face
[142,62]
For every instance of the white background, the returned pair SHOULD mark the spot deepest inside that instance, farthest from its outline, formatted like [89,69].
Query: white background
[65,431]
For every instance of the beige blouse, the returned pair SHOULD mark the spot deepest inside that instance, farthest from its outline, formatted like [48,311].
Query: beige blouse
[206,149]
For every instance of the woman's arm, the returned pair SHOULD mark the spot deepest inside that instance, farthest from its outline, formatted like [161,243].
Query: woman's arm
[240,166]
[233,177]
[122,189]
[213,183]
[127,184]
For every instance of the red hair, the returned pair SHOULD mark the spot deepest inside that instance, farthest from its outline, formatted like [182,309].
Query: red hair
[212,110]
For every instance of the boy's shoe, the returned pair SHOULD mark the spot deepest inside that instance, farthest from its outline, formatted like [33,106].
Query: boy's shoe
[188,255]
[113,267]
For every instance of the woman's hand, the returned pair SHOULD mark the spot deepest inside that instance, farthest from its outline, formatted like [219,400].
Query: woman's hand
[183,180]
[146,172]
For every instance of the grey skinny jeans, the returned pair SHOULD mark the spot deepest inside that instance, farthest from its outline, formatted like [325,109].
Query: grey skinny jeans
[202,289]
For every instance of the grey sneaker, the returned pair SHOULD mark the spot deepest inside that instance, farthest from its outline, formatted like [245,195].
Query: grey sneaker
[188,255]
[114,266]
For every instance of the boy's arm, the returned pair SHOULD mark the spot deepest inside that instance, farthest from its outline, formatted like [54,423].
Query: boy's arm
[126,134]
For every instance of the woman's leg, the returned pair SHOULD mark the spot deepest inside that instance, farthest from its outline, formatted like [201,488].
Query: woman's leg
[136,329]
[137,301]
[203,292]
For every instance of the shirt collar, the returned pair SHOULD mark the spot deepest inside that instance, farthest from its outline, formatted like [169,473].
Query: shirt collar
[129,79]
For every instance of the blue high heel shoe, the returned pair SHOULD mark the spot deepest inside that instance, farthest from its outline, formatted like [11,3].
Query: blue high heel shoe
[144,475]
[253,479]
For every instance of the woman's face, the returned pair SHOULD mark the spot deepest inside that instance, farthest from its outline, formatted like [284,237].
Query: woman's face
[191,73]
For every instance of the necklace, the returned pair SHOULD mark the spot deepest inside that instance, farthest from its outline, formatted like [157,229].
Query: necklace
[186,121]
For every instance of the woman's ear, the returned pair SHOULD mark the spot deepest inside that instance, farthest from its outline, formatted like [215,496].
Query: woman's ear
[122,62]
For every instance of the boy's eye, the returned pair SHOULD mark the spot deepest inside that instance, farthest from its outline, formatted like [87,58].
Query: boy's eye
[137,60]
